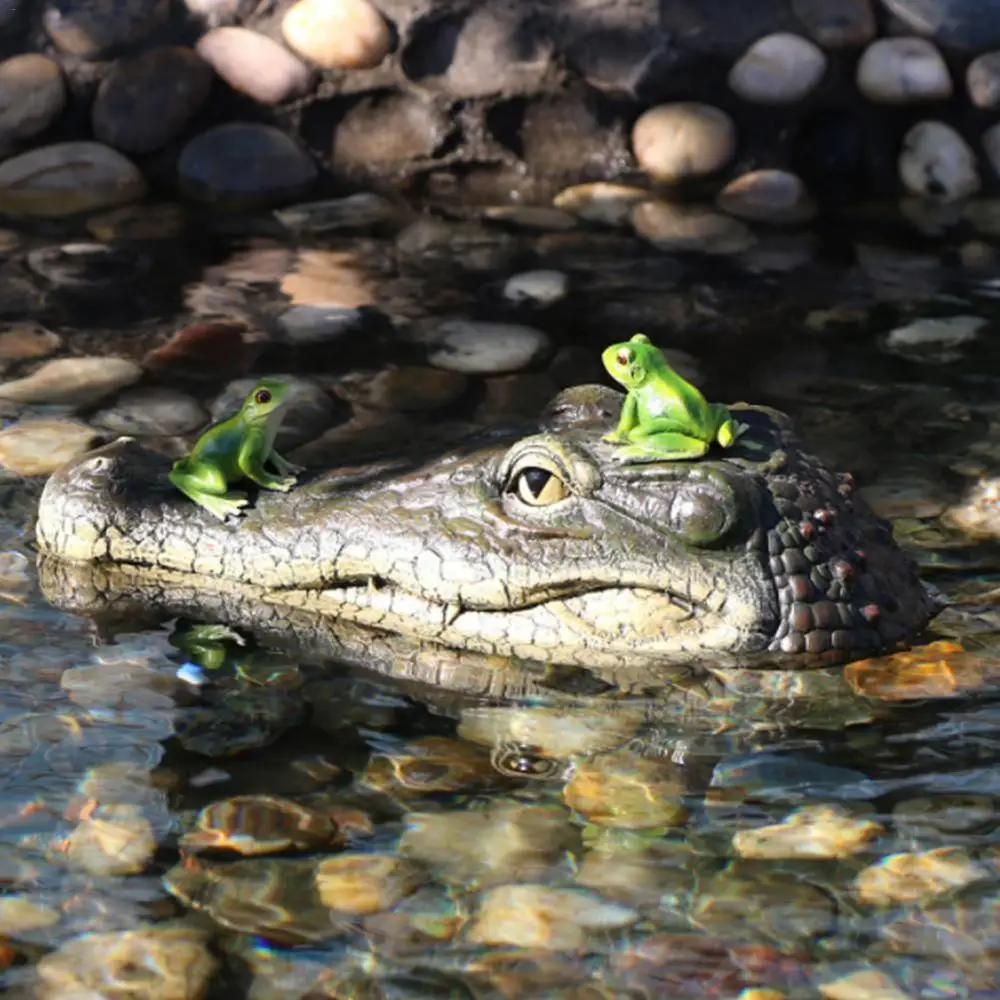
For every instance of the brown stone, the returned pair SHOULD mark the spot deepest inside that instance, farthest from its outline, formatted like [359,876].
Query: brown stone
[32,94]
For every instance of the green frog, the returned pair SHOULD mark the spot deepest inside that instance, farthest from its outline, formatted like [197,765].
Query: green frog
[663,416]
[235,449]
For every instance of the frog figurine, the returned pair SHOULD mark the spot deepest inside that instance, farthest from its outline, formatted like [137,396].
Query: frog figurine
[663,417]
[235,449]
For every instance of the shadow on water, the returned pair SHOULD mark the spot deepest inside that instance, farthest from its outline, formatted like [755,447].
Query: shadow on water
[289,807]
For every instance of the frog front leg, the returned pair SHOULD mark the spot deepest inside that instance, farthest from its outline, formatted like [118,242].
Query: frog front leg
[627,420]
[251,464]
[729,430]
[283,466]
[665,440]
[203,483]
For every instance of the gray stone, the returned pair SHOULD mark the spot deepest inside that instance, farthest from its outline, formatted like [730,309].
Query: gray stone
[837,23]
[152,411]
[146,101]
[778,69]
[480,348]
[95,28]
[936,162]
[243,164]
[982,79]
[536,288]
[961,24]
[903,71]
[317,324]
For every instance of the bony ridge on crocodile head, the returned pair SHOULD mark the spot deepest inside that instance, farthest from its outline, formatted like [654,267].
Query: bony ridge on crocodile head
[235,449]
[663,416]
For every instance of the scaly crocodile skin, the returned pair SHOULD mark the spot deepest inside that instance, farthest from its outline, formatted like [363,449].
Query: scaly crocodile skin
[789,561]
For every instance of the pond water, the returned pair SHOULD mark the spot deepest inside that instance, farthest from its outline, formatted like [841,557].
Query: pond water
[189,813]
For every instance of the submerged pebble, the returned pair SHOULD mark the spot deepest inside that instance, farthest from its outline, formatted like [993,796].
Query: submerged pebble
[809,832]
[918,877]
[536,916]
[475,347]
[362,884]
[73,382]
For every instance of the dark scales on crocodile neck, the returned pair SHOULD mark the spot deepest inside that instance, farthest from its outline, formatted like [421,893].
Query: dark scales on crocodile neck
[541,546]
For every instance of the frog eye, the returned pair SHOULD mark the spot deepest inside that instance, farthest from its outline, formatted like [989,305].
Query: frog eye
[624,357]
[262,396]
[538,487]
[699,514]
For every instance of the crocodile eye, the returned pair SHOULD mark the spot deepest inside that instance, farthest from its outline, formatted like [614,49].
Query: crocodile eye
[262,396]
[624,357]
[698,514]
[539,487]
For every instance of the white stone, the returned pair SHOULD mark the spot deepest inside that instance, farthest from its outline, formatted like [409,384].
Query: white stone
[936,162]
[903,70]
[936,338]
[672,142]
[72,381]
[778,69]
[982,80]
[481,348]
[337,34]
[254,64]
[538,288]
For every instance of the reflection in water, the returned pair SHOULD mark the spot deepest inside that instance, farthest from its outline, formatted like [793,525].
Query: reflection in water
[187,811]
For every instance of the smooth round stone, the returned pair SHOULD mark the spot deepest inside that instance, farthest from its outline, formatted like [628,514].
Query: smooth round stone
[536,288]
[337,34]
[672,142]
[962,24]
[146,101]
[903,71]
[936,162]
[692,228]
[28,343]
[778,69]
[944,332]
[244,164]
[774,196]
[481,348]
[982,80]
[600,201]
[812,832]
[319,324]
[39,447]
[837,23]
[152,411]
[991,146]
[32,94]
[67,178]
[362,884]
[254,64]
[72,381]
[92,28]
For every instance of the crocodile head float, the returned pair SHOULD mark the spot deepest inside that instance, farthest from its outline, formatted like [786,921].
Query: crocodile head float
[543,546]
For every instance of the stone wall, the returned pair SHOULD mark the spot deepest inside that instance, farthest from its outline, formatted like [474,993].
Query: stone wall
[489,98]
